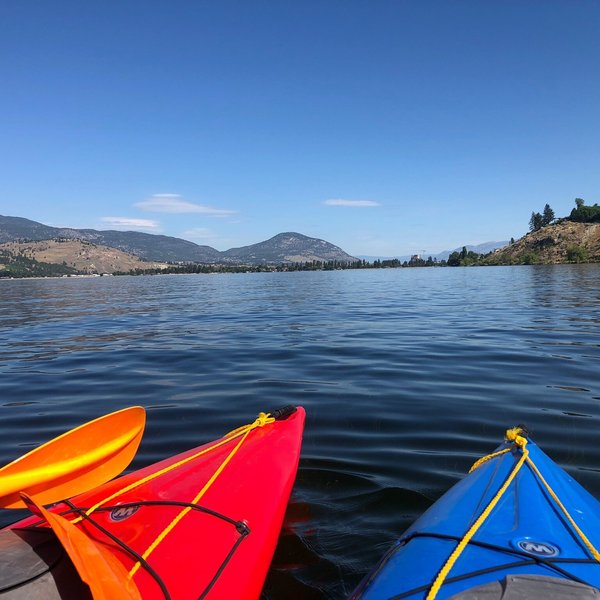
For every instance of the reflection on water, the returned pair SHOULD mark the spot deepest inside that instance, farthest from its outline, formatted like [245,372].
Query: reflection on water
[408,376]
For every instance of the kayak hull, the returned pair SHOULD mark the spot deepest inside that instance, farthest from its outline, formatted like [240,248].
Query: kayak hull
[526,533]
[207,525]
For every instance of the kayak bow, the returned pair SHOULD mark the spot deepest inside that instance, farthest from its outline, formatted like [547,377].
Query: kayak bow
[203,524]
[517,524]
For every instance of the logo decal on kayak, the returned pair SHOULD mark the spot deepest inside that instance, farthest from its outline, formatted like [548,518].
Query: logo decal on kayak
[123,512]
[537,548]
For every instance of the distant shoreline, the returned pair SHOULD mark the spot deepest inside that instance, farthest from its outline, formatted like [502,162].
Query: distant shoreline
[110,275]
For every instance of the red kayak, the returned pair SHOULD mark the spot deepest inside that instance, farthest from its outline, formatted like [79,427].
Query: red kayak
[202,524]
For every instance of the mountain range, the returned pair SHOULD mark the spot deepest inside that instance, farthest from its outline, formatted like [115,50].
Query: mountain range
[289,247]
[479,248]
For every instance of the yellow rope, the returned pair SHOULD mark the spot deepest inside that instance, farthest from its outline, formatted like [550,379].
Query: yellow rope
[262,420]
[163,534]
[484,459]
[513,435]
[441,576]
[241,432]
[583,537]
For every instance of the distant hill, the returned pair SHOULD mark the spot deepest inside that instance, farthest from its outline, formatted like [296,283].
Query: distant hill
[479,248]
[283,248]
[145,245]
[77,256]
[288,247]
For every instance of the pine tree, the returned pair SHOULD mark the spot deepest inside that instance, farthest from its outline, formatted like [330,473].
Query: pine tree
[536,221]
[548,216]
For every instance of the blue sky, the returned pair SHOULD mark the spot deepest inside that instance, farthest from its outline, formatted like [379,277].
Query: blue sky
[385,127]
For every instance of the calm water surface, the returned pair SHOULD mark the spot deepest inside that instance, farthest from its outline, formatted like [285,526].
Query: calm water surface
[408,376]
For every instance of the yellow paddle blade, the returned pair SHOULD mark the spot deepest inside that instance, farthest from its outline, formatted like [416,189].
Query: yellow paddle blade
[105,575]
[76,461]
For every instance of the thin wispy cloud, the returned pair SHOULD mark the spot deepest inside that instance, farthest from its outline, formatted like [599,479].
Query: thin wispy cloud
[176,204]
[127,223]
[350,203]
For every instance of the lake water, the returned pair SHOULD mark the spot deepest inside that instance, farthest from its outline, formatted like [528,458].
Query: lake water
[407,375]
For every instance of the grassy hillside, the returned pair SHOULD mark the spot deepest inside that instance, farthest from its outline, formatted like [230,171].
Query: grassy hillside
[562,242]
[64,257]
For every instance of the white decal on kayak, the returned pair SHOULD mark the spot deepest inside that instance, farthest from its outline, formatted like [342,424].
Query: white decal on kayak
[538,548]
[123,512]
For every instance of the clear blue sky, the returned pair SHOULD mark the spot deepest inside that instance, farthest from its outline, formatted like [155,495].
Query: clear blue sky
[385,127]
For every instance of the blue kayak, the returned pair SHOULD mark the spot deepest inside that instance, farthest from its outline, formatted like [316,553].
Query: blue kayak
[517,526]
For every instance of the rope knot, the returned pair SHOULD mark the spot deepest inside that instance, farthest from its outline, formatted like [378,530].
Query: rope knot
[515,435]
[263,419]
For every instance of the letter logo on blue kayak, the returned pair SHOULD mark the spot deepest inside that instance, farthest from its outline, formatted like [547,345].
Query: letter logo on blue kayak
[537,548]
[120,513]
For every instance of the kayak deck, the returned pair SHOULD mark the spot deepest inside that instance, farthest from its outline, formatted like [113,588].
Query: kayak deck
[202,524]
[525,533]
